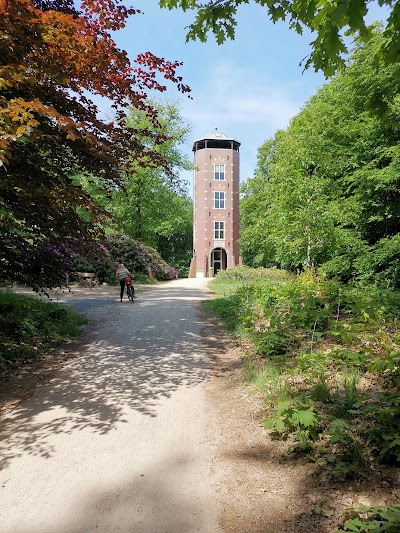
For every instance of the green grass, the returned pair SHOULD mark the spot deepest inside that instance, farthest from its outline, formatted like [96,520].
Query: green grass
[30,327]
[267,379]
[225,288]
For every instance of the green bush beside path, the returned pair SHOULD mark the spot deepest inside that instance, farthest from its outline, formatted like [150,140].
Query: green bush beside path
[325,357]
[30,327]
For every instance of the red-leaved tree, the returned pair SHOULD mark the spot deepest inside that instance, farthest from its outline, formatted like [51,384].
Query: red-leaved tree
[54,56]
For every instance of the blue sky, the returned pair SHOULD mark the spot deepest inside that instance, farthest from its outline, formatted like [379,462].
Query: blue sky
[247,88]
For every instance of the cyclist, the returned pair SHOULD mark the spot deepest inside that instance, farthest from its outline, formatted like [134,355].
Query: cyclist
[122,274]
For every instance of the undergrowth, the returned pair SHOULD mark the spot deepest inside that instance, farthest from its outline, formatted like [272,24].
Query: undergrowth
[29,327]
[373,520]
[326,359]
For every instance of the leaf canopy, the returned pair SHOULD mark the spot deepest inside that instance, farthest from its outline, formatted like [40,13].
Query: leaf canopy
[330,23]
[55,57]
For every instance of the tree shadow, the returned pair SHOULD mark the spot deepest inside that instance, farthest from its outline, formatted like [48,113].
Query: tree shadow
[293,495]
[134,356]
[143,498]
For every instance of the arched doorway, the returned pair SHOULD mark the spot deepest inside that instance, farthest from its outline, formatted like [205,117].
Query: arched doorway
[218,260]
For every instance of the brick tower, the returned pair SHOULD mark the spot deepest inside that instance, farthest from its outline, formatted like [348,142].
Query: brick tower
[216,205]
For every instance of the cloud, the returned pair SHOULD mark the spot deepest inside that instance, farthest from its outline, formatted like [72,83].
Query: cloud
[232,95]
[244,104]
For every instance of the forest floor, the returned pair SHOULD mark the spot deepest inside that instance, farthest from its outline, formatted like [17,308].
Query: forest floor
[259,489]
[267,491]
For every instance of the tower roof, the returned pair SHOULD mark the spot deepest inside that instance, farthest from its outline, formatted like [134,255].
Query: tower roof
[217,136]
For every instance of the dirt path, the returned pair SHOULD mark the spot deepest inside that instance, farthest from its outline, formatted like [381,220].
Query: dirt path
[144,426]
[121,437]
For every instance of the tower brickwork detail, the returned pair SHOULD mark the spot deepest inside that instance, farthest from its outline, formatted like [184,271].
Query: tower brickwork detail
[216,205]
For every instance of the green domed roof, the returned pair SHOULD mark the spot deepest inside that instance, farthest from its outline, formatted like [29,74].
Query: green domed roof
[217,136]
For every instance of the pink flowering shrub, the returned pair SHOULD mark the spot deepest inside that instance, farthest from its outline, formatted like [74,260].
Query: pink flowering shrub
[137,258]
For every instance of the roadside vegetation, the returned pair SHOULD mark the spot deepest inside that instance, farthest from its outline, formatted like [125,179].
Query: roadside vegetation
[31,327]
[137,257]
[320,330]
[325,359]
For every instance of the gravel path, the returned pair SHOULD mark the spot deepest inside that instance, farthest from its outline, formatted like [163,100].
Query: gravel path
[121,438]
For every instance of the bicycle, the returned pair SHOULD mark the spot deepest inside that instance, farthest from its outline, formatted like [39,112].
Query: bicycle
[130,291]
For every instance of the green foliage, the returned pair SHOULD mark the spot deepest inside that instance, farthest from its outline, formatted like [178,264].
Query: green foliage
[313,341]
[326,20]
[345,459]
[297,420]
[137,257]
[326,190]
[389,368]
[226,310]
[278,314]
[382,413]
[152,206]
[344,358]
[275,342]
[370,304]
[380,262]
[268,379]
[30,326]
[372,520]
[240,311]
[346,399]
[101,264]
[321,392]
[244,273]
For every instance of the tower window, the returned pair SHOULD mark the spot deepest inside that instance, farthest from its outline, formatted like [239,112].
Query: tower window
[219,200]
[219,171]
[219,229]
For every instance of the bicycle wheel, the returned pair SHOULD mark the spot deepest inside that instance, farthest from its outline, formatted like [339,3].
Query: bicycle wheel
[130,294]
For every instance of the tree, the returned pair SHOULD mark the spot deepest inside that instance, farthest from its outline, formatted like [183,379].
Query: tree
[293,224]
[175,236]
[327,20]
[328,186]
[54,56]
[257,243]
[152,204]
[152,207]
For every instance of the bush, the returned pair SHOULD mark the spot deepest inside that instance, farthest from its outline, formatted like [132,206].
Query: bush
[382,413]
[29,326]
[279,313]
[380,263]
[312,341]
[373,520]
[294,419]
[247,273]
[136,257]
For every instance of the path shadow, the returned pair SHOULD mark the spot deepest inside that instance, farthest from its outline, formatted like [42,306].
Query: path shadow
[135,356]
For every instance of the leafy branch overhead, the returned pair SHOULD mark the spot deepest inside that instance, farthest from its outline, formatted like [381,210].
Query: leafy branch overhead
[328,22]
[53,55]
